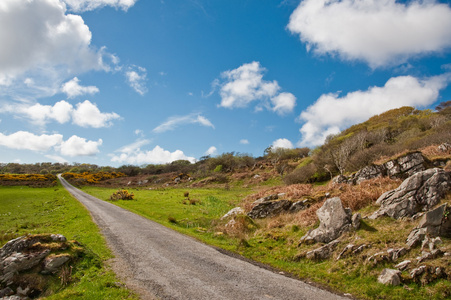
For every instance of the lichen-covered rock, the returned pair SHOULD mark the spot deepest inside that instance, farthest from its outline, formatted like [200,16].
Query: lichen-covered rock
[390,277]
[334,221]
[18,262]
[406,165]
[269,208]
[420,192]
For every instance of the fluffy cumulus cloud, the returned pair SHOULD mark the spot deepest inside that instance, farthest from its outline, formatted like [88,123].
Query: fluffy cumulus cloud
[73,89]
[136,78]
[74,146]
[86,5]
[379,32]
[136,156]
[211,151]
[245,84]
[332,113]
[174,122]
[23,140]
[282,144]
[77,146]
[39,36]
[85,114]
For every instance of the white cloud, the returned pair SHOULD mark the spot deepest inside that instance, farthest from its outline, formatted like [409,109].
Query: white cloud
[73,89]
[38,35]
[155,156]
[74,146]
[379,32]
[211,151]
[244,142]
[283,103]
[282,143]
[136,146]
[176,121]
[22,140]
[332,113]
[86,114]
[86,5]
[77,146]
[136,78]
[245,84]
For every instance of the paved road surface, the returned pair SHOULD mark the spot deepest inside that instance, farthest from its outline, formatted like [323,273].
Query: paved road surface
[162,264]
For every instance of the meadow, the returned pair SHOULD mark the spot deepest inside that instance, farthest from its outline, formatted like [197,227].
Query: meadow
[274,241]
[25,210]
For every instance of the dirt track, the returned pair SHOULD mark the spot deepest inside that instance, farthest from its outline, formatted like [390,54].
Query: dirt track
[160,263]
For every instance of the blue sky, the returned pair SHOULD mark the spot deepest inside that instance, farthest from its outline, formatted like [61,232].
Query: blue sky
[114,82]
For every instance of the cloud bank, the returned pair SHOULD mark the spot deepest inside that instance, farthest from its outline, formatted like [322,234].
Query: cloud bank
[379,32]
[86,5]
[132,154]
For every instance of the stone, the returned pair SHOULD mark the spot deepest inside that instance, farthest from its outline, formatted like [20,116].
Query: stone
[266,199]
[269,208]
[406,165]
[377,258]
[23,292]
[323,252]
[53,263]
[445,147]
[334,221]
[233,212]
[58,238]
[432,220]
[355,221]
[368,172]
[420,192]
[390,277]
[18,261]
[298,206]
[417,272]
[416,237]
[403,265]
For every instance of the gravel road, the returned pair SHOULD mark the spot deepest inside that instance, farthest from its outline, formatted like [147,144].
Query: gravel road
[160,263]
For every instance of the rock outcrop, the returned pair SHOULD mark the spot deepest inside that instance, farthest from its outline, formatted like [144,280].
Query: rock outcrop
[434,223]
[334,221]
[271,206]
[30,254]
[401,167]
[420,192]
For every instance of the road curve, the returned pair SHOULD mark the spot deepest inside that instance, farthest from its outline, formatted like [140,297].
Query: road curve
[164,264]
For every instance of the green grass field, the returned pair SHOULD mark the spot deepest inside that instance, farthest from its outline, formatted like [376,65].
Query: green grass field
[278,246]
[25,210]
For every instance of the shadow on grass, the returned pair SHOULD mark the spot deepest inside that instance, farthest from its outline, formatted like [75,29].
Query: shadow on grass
[366,227]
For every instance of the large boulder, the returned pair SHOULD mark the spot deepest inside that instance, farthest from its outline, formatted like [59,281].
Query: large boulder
[419,192]
[334,220]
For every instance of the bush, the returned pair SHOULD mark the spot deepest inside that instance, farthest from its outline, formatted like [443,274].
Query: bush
[122,195]
[304,174]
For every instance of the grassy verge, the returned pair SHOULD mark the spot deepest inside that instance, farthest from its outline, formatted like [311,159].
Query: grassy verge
[25,210]
[275,242]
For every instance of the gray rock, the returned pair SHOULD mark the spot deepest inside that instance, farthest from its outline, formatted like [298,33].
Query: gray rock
[269,208]
[420,192]
[53,263]
[403,265]
[298,206]
[322,252]
[368,172]
[233,212]
[417,271]
[355,221]
[266,199]
[334,221]
[432,220]
[390,277]
[416,237]
[445,147]
[23,292]
[377,258]
[17,262]
[58,237]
